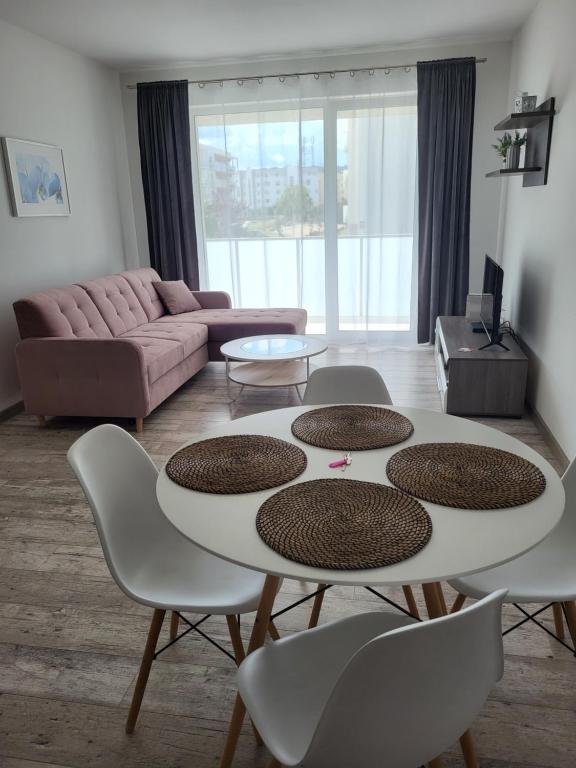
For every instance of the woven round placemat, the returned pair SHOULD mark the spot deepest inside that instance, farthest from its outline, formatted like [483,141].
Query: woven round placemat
[466,476]
[352,427]
[343,524]
[236,464]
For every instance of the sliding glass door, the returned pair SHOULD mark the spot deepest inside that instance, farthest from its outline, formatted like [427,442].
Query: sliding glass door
[311,206]
[375,197]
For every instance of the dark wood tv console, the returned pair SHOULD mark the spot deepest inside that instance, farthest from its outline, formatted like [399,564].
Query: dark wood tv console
[489,382]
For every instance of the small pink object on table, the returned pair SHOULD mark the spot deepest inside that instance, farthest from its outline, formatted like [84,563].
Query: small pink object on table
[347,460]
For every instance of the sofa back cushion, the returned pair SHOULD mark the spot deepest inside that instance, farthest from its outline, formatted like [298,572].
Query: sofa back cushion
[177,297]
[117,302]
[60,312]
[142,282]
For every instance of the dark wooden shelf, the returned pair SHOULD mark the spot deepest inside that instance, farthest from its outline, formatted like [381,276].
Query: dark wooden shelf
[513,171]
[538,138]
[524,119]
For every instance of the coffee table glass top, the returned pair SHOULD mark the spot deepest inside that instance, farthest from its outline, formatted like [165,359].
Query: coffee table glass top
[266,346]
[273,347]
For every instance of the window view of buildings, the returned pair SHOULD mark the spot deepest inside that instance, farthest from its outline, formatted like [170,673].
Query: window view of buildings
[263,175]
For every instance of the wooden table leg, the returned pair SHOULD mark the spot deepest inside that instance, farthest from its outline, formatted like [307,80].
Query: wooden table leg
[432,598]
[317,607]
[436,607]
[256,641]
[410,600]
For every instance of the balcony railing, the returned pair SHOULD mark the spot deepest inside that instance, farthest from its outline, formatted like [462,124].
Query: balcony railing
[374,277]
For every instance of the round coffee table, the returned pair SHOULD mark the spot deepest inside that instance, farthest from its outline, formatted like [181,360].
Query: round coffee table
[275,360]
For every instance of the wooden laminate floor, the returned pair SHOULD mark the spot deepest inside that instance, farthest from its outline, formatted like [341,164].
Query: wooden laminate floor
[70,642]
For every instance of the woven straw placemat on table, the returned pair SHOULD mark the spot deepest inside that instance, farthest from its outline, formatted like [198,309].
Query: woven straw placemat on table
[466,476]
[352,427]
[236,464]
[343,524]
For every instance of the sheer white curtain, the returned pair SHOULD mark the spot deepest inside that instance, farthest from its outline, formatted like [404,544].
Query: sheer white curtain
[305,197]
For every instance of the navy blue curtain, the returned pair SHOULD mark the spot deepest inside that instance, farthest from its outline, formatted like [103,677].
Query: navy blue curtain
[446,96]
[165,159]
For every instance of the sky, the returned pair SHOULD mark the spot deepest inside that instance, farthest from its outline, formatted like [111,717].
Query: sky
[266,145]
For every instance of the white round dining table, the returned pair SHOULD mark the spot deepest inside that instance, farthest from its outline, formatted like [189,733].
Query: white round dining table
[463,541]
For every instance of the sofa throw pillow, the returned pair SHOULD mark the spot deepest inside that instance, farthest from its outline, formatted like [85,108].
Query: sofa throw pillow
[176,296]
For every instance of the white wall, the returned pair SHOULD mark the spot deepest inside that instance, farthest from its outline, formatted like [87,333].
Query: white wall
[49,94]
[539,227]
[491,103]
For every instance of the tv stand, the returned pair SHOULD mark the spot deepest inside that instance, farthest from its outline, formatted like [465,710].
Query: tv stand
[479,382]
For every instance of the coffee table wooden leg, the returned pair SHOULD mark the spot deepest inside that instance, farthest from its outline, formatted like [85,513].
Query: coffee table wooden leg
[436,607]
[256,641]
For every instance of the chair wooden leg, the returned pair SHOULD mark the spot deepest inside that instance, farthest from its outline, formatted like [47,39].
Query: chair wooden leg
[437,607]
[410,600]
[273,631]
[469,750]
[436,763]
[570,609]
[139,424]
[558,620]
[147,659]
[256,641]
[316,608]
[458,603]
[240,654]
[236,639]
[41,421]
[174,625]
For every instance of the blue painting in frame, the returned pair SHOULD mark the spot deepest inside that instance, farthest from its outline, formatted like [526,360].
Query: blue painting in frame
[36,178]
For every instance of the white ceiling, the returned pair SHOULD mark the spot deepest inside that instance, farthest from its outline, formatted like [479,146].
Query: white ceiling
[128,34]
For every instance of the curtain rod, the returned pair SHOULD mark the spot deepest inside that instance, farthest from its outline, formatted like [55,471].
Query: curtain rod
[282,76]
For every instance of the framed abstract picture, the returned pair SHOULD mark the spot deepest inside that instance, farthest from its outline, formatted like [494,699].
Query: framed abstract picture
[36,178]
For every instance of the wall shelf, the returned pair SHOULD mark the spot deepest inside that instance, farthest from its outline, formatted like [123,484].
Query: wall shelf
[523,120]
[538,126]
[513,172]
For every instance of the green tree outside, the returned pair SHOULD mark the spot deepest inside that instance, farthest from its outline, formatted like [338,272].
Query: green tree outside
[295,204]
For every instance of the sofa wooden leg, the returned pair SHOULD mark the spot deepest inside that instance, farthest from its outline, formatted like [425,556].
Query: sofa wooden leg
[139,424]
[41,421]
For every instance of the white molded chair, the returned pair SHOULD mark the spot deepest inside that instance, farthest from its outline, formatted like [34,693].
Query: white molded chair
[149,560]
[374,690]
[346,384]
[545,574]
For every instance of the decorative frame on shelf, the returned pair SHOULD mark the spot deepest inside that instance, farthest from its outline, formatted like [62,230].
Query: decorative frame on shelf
[539,137]
[36,178]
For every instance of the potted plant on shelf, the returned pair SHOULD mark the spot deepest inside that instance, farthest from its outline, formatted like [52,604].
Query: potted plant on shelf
[513,158]
[502,146]
[508,147]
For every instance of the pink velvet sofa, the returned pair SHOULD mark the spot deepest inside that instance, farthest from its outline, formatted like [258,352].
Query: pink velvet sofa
[107,348]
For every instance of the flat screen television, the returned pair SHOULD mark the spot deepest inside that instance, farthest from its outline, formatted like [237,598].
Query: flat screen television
[491,307]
